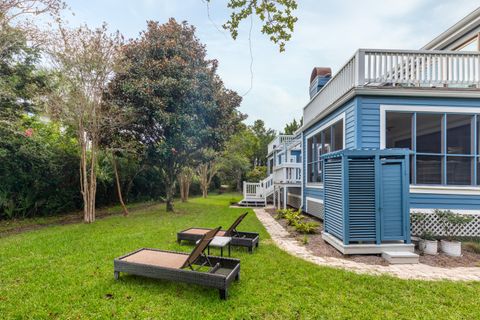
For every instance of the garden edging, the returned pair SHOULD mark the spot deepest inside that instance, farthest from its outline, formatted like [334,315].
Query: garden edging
[283,239]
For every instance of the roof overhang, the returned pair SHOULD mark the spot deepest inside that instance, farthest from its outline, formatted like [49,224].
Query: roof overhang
[465,93]
[455,36]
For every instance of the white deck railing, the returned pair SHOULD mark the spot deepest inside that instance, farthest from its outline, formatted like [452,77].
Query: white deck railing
[258,190]
[288,172]
[281,139]
[398,68]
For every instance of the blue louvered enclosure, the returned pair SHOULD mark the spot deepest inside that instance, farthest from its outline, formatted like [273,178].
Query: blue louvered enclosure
[366,196]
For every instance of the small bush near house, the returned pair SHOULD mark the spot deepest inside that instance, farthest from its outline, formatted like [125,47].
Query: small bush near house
[293,217]
[307,227]
[281,213]
[450,221]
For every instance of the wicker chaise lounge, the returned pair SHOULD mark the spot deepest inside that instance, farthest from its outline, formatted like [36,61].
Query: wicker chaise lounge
[177,266]
[239,238]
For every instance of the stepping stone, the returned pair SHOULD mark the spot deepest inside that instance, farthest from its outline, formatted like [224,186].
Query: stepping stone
[400,257]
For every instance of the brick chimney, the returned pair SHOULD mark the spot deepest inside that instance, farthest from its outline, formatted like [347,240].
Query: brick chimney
[318,79]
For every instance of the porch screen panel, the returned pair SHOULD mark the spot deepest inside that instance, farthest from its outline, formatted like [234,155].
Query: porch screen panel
[445,145]
[328,140]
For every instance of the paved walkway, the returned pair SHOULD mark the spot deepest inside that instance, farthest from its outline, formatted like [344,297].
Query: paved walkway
[406,271]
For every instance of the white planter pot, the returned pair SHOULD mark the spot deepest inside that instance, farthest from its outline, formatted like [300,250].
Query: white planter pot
[451,248]
[429,246]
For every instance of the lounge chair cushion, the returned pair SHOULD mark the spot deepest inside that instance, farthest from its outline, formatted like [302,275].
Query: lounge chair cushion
[158,258]
[220,233]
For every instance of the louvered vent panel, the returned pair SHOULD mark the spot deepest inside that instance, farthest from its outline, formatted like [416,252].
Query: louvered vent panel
[361,188]
[334,197]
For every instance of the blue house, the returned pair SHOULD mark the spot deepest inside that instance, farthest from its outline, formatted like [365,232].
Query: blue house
[426,101]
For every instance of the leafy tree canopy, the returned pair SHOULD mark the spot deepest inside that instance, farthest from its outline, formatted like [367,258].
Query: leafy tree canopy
[179,103]
[276,16]
[292,126]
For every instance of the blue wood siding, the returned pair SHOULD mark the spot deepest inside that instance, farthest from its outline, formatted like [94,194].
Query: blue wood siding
[350,132]
[368,136]
[368,119]
[362,130]
[444,201]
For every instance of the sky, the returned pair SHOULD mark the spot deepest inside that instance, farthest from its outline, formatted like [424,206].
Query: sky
[327,34]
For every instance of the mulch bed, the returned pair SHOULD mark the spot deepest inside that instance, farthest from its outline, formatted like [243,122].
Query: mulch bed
[320,248]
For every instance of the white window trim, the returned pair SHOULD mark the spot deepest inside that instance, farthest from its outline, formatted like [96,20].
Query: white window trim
[341,116]
[438,189]
[433,189]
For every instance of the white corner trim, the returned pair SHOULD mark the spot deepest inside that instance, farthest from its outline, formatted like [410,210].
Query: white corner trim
[413,108]
[461,211]
[314,200]
[453,190]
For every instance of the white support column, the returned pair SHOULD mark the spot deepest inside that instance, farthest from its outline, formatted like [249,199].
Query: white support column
[274,197]
[285,198]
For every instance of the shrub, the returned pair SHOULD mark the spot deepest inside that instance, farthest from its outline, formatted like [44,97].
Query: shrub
[420,219]
[281,213]
[450,220]
[307,227]
[293,217]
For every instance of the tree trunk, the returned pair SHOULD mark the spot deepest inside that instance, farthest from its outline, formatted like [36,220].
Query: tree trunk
[119,188]
[170,191]
[239,181]
[185,180]
[206,171]
[169,199]
[88,180]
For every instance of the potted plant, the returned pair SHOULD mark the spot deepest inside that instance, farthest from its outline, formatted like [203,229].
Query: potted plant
[427,242]
[450,222]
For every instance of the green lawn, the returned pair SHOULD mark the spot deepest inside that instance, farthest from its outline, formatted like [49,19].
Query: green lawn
[67,272]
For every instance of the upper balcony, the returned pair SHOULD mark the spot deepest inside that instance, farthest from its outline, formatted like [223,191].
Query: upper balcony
[280,140]
[370,68]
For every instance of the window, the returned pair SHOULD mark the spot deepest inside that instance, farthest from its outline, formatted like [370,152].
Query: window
[399,130]
[443,145]
[328,140]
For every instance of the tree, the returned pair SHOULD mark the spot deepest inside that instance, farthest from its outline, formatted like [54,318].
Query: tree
[179,103]
[293,126]
[22,85]
[185,180]
[13,9]
[84,61]
[264,136]
[236,159]
[277,18]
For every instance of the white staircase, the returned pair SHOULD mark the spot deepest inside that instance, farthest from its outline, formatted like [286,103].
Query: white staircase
[255,194]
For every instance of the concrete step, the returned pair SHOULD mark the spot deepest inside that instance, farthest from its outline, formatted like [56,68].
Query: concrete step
[400,257]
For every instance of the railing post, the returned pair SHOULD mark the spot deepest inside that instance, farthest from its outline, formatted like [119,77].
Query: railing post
[360,68]
[244,189]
